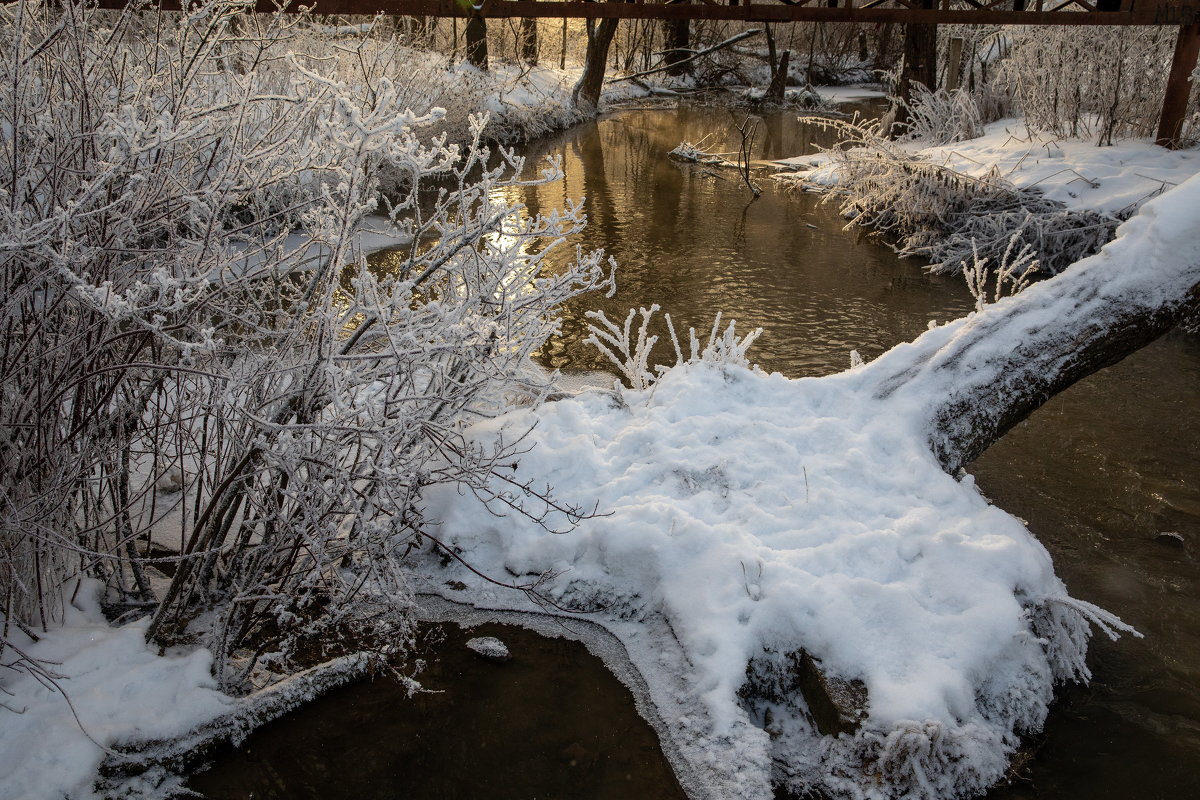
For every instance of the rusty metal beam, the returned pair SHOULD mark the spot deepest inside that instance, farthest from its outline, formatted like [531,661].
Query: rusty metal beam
[1131,12]
[1179,86]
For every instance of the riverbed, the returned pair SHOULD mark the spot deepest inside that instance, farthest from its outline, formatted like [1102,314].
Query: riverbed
[1099,474]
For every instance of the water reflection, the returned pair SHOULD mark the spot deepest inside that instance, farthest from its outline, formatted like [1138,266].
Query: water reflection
[694,240]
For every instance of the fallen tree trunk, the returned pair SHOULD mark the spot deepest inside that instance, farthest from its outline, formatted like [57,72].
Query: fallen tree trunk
[132,758]
[978,377]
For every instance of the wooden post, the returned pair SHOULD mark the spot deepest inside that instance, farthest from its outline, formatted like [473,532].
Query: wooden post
[1179,87]
[954,63]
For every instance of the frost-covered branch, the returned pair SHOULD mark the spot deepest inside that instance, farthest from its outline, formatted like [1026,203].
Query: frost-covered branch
[932,211]
[197,356]
[632,356]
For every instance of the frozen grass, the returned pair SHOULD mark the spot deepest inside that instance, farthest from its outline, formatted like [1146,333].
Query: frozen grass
[949,203]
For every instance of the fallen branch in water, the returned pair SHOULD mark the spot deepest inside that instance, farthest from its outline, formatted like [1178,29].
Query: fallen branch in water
[246,715]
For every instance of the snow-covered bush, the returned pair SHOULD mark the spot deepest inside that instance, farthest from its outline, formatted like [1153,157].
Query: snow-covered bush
[522,103]
[1091,82]
[932,211]
[196,356]
[943,117]
[631,355]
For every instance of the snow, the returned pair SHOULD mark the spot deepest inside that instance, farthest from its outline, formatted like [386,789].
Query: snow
[750,515]
[849,94]
[489,647]
[755,512]
[120,689]
[1077,173]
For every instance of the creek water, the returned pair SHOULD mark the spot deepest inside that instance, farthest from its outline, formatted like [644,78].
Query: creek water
[1098,473]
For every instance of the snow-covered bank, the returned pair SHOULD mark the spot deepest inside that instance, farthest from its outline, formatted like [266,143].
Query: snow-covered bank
[751,515]
[1003,201]
[105,686]
[744,517]
[1076,173]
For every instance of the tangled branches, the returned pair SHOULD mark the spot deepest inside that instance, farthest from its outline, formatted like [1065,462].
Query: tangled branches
[197,357]
[935,212]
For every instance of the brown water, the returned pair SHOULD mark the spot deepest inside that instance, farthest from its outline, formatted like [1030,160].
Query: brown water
[551,723]
[694,240]
[1097,473]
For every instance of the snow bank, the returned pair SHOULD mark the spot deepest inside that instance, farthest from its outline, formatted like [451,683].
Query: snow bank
[757,515]
[1076,173]
[118,690]
[1113,180]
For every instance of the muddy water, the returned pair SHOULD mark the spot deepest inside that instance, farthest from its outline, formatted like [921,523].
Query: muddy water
[695,240]
[1098,474]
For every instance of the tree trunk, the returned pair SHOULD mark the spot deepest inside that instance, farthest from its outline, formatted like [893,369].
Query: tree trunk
[778,86]
[529,41]
[476,41]
[599,36]
[678,36]
[978,377]
[920,63]
[883,46]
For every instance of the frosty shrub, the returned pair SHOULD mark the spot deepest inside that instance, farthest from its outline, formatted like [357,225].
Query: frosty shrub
[950,218]
[943,117]
[199,372]
[1013,273]
[631,354]
[1090,82]
[364,55]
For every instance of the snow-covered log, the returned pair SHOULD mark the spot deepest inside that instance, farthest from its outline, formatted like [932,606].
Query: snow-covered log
[136,756]
[980,376]
[815,595]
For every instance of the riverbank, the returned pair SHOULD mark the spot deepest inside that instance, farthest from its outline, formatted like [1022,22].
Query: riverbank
[970,200]
[1115,180]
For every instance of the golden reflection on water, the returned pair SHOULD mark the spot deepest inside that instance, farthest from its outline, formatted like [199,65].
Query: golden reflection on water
[693,240]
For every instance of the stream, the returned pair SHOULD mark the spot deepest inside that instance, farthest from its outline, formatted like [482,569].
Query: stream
[1098,474]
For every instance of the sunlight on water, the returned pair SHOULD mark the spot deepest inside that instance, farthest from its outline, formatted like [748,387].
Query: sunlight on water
[693,239]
